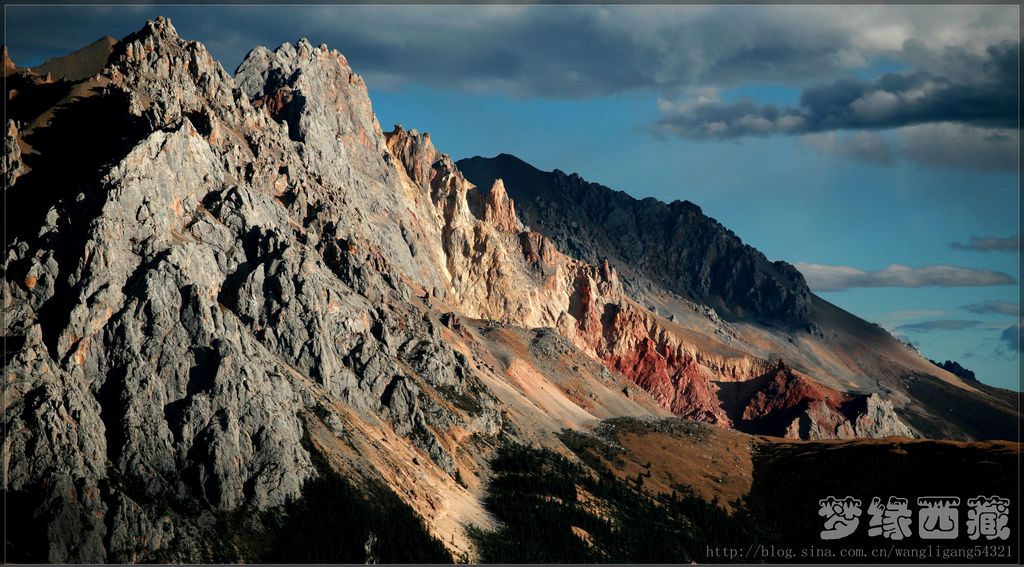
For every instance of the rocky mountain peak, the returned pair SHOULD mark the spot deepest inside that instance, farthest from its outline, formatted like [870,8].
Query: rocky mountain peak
[156,40]
[672,246]
[956,369]
[263,71]
[415,152]
[500,209]
[9,66]
[168,79]
[158,30]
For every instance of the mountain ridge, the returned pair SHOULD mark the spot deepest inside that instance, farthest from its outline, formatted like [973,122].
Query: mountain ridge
[591,221]
[81,64]
[781,295]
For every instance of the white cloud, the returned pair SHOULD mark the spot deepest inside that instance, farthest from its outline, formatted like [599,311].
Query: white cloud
[956,145]
[942,145]
[994,307]
[822,277]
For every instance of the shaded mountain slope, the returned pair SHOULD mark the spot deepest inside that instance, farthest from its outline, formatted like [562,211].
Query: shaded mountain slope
[674,246]
[81,64]
[710,495]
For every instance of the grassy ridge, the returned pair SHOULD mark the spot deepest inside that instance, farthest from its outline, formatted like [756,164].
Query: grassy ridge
[556,511]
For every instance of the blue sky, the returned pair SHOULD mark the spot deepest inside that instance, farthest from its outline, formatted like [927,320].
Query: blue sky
[835,138]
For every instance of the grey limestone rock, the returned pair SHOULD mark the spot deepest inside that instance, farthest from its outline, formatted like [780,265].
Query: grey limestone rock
[177,313]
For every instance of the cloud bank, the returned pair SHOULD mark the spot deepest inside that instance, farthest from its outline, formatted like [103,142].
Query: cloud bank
[891,101]
[838,278]
[942,77]
[989,244]
[939,325]
[1011,338]
[942,145]
[583,51]
[994,308]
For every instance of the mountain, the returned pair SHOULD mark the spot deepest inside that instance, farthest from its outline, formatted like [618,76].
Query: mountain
[672,246]
[9,66]
[81,64]
[243,323]
[955,368]
[677,262]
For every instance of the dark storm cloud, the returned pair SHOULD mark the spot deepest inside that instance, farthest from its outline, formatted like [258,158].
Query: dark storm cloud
[554,51]
[891,101]
[989,244]
[524,51]
[1011,338]
[957,64]
[547,51]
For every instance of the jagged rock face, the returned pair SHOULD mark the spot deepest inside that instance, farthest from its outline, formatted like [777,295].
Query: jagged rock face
[628,339]
[786,403]
[177,315]
[12,155]
[955,368]
[879,419]
[673,246]
[494,271]
[500,271]
[9,66]
[500,209]
[526,281]
[415,152]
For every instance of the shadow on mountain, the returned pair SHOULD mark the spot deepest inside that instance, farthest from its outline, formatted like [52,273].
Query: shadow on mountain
[985,413]
[553,510]
[28,97]
[25,536]
[791,477]
[70,153]
[336,522]
[734,396]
